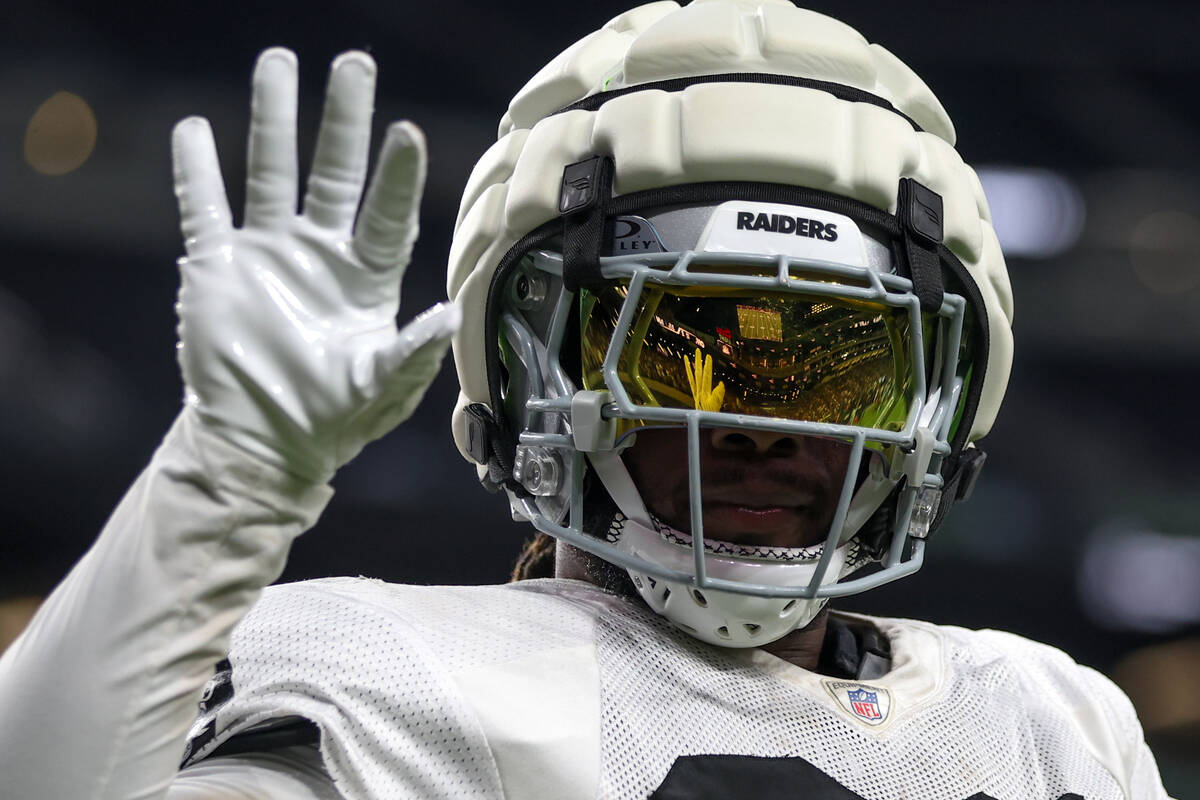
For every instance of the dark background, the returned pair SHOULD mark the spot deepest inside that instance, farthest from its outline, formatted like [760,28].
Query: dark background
[1083,532]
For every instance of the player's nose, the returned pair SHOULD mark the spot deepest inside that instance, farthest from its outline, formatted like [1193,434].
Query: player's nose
[754,442]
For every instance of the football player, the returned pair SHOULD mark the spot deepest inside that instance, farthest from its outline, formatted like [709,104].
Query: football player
[729,318]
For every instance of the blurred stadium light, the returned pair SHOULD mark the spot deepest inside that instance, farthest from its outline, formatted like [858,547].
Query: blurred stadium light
[1142,580]
[61,134]
[1037,213]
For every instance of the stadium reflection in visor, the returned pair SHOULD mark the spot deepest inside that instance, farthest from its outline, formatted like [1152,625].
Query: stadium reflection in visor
[782,355]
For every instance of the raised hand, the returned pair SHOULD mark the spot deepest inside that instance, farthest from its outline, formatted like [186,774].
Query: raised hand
[287,336]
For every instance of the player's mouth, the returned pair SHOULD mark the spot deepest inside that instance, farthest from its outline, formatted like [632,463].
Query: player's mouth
[759,523]
[788,520]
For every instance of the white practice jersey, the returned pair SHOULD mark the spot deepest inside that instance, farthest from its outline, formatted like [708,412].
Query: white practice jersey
[555,689]
[543,689]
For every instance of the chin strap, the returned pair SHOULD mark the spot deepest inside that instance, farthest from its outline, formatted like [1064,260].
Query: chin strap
[486,445]
[960,482]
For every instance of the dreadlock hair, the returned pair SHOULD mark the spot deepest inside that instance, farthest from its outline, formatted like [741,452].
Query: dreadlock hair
[536,559]
[537,556]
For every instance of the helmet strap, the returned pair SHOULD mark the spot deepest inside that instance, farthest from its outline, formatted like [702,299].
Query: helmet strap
[919,212]
[961,474]
[583,205]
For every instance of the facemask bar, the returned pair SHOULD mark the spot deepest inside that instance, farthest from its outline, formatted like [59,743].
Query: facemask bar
[917,449]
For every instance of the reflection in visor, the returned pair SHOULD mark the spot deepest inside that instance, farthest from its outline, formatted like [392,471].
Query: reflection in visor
[782,355]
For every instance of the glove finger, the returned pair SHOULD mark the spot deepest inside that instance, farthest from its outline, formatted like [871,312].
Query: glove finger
[389,222]
[343,142]
[271,158]
[199,188]
[422,341]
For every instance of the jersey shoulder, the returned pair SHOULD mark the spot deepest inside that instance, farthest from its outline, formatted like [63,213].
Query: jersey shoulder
[387,674]
[1049,685]
[1047,673]
[1054,674]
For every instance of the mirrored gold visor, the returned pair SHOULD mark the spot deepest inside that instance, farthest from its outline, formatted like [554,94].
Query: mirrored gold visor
[783,355]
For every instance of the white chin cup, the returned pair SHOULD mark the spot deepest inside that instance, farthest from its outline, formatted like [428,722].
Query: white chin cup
[719,617]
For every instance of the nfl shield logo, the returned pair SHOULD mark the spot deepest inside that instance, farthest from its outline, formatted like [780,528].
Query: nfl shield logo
[865,704]
[870,705]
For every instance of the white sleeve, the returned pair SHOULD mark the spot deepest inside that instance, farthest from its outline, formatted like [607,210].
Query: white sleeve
[97,695]
[1131,760]
[295,773]
[1104,717]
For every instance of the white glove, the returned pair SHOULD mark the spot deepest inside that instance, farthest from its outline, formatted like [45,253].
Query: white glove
[287,335]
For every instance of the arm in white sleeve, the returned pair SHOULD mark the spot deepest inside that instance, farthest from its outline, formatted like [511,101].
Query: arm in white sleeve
[292,362]
[295,773]
[97,695]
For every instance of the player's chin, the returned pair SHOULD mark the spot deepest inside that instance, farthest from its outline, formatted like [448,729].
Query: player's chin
[770,526]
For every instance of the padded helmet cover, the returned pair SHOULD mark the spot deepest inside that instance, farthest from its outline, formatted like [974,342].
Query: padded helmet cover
[720,131]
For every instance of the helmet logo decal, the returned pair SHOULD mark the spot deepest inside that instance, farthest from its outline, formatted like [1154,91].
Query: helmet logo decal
[634,234]
[742,226]
[705,396]
[784,223]
[868,704]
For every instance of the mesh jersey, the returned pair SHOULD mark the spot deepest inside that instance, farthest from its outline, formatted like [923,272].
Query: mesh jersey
[555,689]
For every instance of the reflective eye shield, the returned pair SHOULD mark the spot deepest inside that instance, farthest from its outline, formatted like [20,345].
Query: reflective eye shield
[820,349]
[780,355]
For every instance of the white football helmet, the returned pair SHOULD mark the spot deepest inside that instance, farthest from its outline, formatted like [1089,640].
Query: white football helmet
[733,215]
